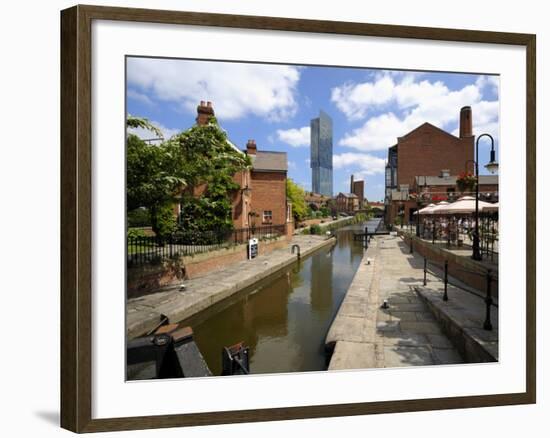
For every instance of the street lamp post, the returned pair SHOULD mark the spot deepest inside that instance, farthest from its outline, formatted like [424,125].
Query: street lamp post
[418,205]
[492,167]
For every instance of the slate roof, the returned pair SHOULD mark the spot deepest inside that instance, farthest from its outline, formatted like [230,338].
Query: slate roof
[451,180]
[269,161]
[348,195]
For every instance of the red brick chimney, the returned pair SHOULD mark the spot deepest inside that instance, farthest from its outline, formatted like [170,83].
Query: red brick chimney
[466,122]
[204,112]
[251,147]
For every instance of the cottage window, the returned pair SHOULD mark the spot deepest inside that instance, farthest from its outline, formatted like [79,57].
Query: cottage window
[267,216]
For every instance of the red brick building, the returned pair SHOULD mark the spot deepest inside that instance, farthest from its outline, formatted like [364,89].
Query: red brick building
[358,189]
[261,199]
[427,160]
[316,201]
[346,202]
[268,201]
[433,189]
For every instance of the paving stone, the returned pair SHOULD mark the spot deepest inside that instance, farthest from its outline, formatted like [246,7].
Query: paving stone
[421,327]
[439,341]
[356,309]
[405,339]
[383,315]
[387,326]
[403,316]
[407,307]
[446,356]
[403,356]
[406,334]
[353,355]
[425,316]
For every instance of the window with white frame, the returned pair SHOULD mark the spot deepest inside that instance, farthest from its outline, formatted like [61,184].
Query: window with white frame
[267,217]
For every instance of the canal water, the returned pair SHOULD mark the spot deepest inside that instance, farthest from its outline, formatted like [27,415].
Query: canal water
[285,318]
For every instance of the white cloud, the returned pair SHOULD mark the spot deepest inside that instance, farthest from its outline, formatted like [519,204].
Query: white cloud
[292,165]
[235,89]
[295,137]
[361,164]
[140,97]
[490,81]
[145,134]
[413,103]
[354,99]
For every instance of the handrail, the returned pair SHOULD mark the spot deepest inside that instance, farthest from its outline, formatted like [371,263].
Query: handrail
[487,325]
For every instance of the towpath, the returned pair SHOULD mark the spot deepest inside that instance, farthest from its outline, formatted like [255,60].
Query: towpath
[365,335]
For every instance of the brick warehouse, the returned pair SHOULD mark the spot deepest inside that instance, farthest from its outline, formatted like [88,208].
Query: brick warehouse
[358,189]
[428,159]
[261,200]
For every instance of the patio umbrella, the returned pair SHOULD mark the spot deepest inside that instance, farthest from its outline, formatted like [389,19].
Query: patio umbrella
[465,205]
[491,208]
[426,210]
[439,208]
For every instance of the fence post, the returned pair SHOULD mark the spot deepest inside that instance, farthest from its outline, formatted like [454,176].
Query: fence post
[445,280]
[425,269]
[488,302]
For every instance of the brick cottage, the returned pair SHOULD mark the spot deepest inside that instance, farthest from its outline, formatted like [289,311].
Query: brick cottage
[261,199]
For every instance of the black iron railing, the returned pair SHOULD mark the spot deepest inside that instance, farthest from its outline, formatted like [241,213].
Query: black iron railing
[143,250]
[444,274]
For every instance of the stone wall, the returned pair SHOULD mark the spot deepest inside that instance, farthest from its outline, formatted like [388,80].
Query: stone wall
[147,279]
[460,267]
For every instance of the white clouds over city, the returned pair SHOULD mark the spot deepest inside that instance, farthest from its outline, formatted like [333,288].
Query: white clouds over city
[402,103]
[236,89]
[364,164]
[296,137]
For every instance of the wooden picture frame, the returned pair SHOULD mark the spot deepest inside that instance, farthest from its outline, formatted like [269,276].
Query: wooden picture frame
[76,217]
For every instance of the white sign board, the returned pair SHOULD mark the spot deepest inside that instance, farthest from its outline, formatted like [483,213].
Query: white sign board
[252,248]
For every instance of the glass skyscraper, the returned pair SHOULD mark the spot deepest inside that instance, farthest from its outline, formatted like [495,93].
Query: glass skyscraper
[321,154]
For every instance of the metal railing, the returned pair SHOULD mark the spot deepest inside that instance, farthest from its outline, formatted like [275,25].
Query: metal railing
[142,250]
[489,279]
[489,247]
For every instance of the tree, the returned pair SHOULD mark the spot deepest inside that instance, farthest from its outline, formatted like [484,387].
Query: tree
[297,196]
[209,161]
[158,176]
[152,178]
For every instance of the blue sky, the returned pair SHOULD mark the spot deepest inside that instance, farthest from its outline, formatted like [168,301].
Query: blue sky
[274,104]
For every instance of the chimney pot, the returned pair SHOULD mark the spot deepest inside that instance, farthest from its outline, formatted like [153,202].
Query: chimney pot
[465,122]
[204,113]
[251,147]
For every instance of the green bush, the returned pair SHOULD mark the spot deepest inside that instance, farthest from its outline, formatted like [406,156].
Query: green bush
[134,233]
[315,229]
[139,217]
[164,220]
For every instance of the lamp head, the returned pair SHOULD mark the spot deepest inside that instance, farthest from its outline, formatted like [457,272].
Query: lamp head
[492,165]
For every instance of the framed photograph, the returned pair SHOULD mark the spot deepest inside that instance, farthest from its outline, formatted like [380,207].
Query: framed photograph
[268,218]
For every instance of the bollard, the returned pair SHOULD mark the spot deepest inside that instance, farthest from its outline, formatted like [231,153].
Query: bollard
[425,269]
[445,280]
[488,302]
[411,250]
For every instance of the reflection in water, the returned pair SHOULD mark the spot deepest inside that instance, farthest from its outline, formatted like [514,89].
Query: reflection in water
[285,319]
